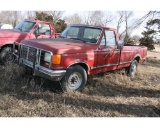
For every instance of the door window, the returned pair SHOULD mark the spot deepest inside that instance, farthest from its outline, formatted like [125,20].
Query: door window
[108,39]
[43,29]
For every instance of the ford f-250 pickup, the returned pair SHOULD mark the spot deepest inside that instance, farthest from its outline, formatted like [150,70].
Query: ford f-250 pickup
[26,29]
[80,50]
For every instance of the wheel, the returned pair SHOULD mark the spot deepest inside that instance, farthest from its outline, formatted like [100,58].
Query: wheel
[74,80]
[6,55]
[133,68]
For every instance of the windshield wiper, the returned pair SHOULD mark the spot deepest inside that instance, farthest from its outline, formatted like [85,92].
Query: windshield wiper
[78,39]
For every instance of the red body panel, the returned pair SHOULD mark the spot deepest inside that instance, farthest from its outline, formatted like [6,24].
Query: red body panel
[9,36]
[96,57]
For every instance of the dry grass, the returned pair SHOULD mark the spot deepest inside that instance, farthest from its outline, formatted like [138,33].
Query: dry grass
[106,95]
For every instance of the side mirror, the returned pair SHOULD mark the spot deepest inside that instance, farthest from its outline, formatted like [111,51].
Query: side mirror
[120,44]
[36,33]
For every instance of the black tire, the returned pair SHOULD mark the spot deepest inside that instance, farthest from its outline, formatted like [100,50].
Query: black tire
[6,55]
[132,71]
[74,80]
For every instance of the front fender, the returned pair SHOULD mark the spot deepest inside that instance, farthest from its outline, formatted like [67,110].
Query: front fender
[78,62]
[82,64]
[2,45]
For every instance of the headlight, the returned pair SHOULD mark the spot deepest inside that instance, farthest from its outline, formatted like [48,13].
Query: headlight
[47,57]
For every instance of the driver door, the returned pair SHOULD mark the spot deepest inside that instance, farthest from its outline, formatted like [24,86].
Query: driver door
[108,54]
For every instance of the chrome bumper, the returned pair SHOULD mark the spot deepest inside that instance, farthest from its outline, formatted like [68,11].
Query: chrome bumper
[42,71]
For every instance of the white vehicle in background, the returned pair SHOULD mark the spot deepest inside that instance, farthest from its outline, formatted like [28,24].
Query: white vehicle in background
[6,26]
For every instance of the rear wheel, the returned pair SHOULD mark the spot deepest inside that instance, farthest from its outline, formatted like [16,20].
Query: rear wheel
[75,79]
[132,71]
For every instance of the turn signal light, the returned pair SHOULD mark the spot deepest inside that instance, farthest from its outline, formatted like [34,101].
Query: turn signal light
[56,59]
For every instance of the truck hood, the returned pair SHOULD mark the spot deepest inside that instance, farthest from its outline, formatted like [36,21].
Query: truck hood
[60,45]
[9,33]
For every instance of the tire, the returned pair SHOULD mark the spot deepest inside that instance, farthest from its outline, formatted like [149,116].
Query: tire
[132,71]
[74,80]
[6,55]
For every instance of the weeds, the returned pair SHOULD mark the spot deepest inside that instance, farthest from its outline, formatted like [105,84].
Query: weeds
[112,94]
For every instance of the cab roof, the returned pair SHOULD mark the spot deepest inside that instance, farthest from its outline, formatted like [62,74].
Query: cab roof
[96,26]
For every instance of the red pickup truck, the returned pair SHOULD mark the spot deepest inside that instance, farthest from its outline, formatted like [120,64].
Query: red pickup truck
[80,50]
[26,29]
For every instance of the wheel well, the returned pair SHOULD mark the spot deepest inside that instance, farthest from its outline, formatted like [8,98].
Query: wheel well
[82,65]
[8,45]
[137,58]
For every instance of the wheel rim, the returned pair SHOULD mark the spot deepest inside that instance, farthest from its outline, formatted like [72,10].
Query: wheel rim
[133,69]
[9,57]
[75,80]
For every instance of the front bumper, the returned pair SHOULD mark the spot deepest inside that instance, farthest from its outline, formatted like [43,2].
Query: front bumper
[42,71]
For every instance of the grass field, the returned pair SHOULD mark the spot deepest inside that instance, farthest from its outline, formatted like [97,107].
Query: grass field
[106,95]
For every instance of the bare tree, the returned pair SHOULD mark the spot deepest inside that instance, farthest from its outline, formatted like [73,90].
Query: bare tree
[125,19]
[120,20]
[108,18]
[56,15]
[30,15]
[73,19]
[97,18]
[11,17]
[86,17]
[127,16]
[151,15]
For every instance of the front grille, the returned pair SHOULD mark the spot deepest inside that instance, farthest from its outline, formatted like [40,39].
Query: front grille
[42,57]
[38,55]
[28,53]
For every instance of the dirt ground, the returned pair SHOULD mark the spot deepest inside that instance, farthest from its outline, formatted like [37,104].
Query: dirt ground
[111,94]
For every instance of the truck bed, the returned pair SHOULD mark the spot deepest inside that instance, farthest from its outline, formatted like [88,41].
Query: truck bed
[131,51]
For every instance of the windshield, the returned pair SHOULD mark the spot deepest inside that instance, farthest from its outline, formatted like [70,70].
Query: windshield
[83,33]
[25,26]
